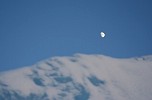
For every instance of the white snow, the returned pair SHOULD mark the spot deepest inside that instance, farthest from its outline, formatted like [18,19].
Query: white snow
[125,79]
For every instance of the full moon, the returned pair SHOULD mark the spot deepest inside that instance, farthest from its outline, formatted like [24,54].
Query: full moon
[102,34]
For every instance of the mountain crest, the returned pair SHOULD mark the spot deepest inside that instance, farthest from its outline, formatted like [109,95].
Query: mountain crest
[81,77]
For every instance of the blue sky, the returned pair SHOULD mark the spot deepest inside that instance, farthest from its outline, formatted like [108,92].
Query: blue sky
[33,30]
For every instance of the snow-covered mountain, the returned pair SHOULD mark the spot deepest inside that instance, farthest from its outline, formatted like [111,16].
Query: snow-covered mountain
[81,77]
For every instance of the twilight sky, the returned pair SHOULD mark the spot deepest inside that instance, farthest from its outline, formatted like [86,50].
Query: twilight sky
[33,30]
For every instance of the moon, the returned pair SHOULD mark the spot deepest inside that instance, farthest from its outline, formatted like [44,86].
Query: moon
[102,34]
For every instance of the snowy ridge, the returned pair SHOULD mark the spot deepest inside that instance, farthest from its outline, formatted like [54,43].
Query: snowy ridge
[145,58]
[81,77]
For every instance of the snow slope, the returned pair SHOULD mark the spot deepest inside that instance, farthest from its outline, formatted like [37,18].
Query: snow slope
[81,77]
